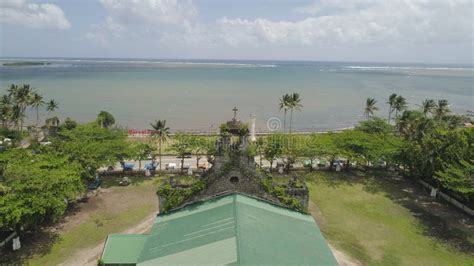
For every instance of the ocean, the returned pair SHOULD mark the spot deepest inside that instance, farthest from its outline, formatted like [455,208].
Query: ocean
[200,94]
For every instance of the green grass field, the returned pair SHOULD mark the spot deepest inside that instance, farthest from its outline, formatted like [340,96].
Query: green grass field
[372,221]
[102,222]
[375,220]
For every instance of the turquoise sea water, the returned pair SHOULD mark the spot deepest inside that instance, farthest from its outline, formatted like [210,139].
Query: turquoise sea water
[199,94]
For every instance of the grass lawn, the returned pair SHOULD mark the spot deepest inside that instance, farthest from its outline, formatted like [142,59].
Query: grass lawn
[376,221]
[125,207]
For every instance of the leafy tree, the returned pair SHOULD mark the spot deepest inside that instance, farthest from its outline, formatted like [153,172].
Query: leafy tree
[37,187]
[200,146]
[105,119]
[273,149]
[162,134]
[69,123]
[182,144]
[370,107]
[140,151]
[92,146]
[458,177]
[311,150]
[375,126]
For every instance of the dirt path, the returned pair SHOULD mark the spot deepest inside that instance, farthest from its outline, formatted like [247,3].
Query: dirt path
[90,256]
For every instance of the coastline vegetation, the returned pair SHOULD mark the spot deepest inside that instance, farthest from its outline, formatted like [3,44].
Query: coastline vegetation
[26,63]
[38,182]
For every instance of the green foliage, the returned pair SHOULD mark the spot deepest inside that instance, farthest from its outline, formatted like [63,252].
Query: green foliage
[105,119]
[69,124]
[38,187]
[280,193]
[92,146]
[176,196]
[458,177]
[273,148]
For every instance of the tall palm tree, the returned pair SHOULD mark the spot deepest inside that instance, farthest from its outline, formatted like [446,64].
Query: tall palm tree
[441,109]
[285,105]
[295,104]
[391,103]
[5,110]
[427,106]
[22,98]
[37,102]
[17,116]
[370,107]
[399,105]
[162,133]
[52,106]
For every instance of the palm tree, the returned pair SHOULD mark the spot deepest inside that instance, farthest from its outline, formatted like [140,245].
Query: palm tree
[52,105]
[391,103]
[295,103]
[285,103]
[427,106]
[17,116]
[162,133]
[37,102]
[5,110]
[400,104]
[441,109]
[370,107]
[22,97]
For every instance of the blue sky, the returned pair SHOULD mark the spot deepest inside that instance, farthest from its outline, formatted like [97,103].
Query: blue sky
[436,31]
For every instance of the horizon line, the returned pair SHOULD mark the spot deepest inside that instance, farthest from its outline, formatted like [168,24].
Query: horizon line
[243,59]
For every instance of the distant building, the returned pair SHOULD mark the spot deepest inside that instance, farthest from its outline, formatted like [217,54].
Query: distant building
[231,229]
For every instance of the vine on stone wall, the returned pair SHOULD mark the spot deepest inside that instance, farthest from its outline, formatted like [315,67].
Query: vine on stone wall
[176,196]
[280,193]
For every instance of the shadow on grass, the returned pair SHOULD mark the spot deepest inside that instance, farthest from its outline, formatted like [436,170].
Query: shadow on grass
[37,243]
[438,218]
[440,221]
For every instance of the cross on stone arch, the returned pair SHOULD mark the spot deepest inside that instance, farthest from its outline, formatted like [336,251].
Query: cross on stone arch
[235,112]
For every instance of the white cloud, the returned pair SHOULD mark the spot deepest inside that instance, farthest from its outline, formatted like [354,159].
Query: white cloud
[151,11]
[18,12]
[100,33]
[132,18]
[360,21]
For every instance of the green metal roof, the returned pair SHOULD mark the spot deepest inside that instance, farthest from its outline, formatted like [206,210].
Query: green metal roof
[123,249]
[234,230]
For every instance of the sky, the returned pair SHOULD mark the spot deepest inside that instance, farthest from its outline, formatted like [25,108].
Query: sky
[436,31]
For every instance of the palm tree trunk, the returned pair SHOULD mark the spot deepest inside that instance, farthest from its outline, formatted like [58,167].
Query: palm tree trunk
[389,113]
[37,116]
[159,153]
[291,119]
[284,120]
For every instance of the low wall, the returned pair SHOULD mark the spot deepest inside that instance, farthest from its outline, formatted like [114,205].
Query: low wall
[449,199]
[142,172]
